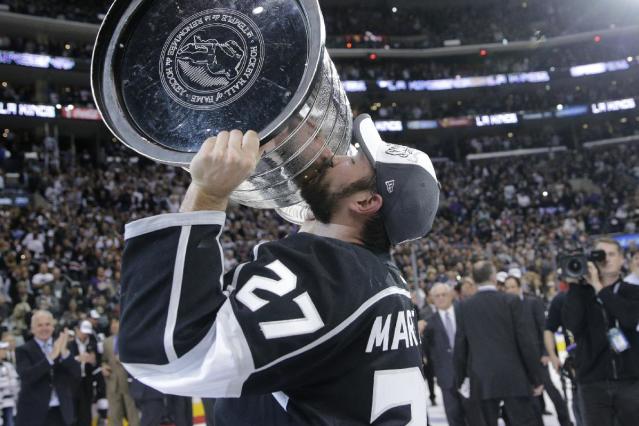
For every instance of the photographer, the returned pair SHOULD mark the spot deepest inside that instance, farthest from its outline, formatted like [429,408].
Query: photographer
[602,312]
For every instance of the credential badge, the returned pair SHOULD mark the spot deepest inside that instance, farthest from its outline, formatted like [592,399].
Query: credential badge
[211,59]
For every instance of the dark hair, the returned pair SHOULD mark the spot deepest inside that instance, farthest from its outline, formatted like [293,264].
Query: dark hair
[323,205]
[483,271]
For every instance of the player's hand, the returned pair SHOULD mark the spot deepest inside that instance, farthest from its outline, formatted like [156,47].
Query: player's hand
[220,166]
[545,360]
[224,162]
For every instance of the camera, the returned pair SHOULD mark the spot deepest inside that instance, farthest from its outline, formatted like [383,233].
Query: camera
[575,264]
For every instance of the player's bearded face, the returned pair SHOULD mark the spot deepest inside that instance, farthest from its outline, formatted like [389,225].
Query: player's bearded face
[323,203]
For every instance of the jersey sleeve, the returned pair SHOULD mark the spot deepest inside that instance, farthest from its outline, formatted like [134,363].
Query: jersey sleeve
[187,329]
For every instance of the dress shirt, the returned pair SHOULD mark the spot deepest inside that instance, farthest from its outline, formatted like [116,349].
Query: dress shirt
[487,287]
[82,348]
[47,348]
[451,313]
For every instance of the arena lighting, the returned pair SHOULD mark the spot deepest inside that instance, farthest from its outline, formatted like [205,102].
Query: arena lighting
[389,126]
[629,59]
[27,110]
[258,10]
[616,105]
[36,61]
[599,68]
[394,9]
[496,119]
[560,107]
[545,193]
[354,85]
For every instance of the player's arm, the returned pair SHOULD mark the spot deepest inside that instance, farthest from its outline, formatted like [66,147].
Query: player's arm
[175,317]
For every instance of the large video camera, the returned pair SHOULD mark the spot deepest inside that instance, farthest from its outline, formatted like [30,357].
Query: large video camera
[575,264]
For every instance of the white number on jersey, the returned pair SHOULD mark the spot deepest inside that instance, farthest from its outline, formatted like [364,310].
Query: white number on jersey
[309,323]
[394,388]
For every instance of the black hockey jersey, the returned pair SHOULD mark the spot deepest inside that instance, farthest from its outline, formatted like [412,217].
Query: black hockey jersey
[312,331]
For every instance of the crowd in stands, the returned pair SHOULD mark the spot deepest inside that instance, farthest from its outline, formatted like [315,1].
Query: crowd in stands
[497,100]
[44,46]
[471,24]
[62,252]
[54,94]
[372,26]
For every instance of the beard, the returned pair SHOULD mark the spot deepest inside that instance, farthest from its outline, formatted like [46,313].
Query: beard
[323,203]
[319,199]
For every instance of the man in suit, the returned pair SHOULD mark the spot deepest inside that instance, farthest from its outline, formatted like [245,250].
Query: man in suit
[495,346]
[149,401]
[439,340]
[84,348]
[534,312]
[48,375]
[121,403]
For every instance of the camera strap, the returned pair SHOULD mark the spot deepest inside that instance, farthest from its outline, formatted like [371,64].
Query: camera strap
[617,340]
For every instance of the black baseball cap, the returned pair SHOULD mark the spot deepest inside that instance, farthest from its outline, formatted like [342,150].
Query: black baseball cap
[406,181]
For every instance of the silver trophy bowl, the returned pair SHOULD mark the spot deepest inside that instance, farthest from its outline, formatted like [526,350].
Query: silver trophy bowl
[166,75]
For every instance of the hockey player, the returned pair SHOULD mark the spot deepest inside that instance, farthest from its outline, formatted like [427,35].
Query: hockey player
[319,327]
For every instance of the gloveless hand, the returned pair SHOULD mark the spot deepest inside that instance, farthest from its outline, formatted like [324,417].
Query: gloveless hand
[220,166]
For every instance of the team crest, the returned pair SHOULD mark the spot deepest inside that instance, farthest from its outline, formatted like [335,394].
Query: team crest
[211,59]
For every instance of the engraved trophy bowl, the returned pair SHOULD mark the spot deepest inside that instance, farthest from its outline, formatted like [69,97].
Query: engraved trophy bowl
[166,75]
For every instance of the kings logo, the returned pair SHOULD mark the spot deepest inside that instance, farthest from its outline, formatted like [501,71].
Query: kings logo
[211,59]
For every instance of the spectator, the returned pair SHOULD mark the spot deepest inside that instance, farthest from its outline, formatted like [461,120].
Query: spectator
[607,366]
[439,341]
[85,350]
[633,278]
[48,375]
[533,309]
[495,348]
[121,404]
[9,386]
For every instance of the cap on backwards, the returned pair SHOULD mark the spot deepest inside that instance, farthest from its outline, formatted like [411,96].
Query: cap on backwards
[406,181]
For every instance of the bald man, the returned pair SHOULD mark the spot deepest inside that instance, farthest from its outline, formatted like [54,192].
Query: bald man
[48,374]
[439,342]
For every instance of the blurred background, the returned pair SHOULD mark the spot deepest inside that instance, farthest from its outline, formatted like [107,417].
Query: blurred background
[527,107]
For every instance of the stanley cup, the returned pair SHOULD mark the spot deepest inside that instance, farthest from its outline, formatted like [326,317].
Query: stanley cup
[166,75]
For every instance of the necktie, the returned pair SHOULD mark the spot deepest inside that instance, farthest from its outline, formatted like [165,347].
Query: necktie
[448,325]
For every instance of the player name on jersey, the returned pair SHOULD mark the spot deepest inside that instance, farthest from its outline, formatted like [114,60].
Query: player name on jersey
[403,336]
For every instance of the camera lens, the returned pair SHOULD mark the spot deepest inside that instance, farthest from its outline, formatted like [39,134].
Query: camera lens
[574,266]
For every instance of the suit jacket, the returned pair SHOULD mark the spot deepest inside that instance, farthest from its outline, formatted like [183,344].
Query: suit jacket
[92,346]
[141,392]
[439,352]
[117,383]
[495,345]
[534,311]
[38,377]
